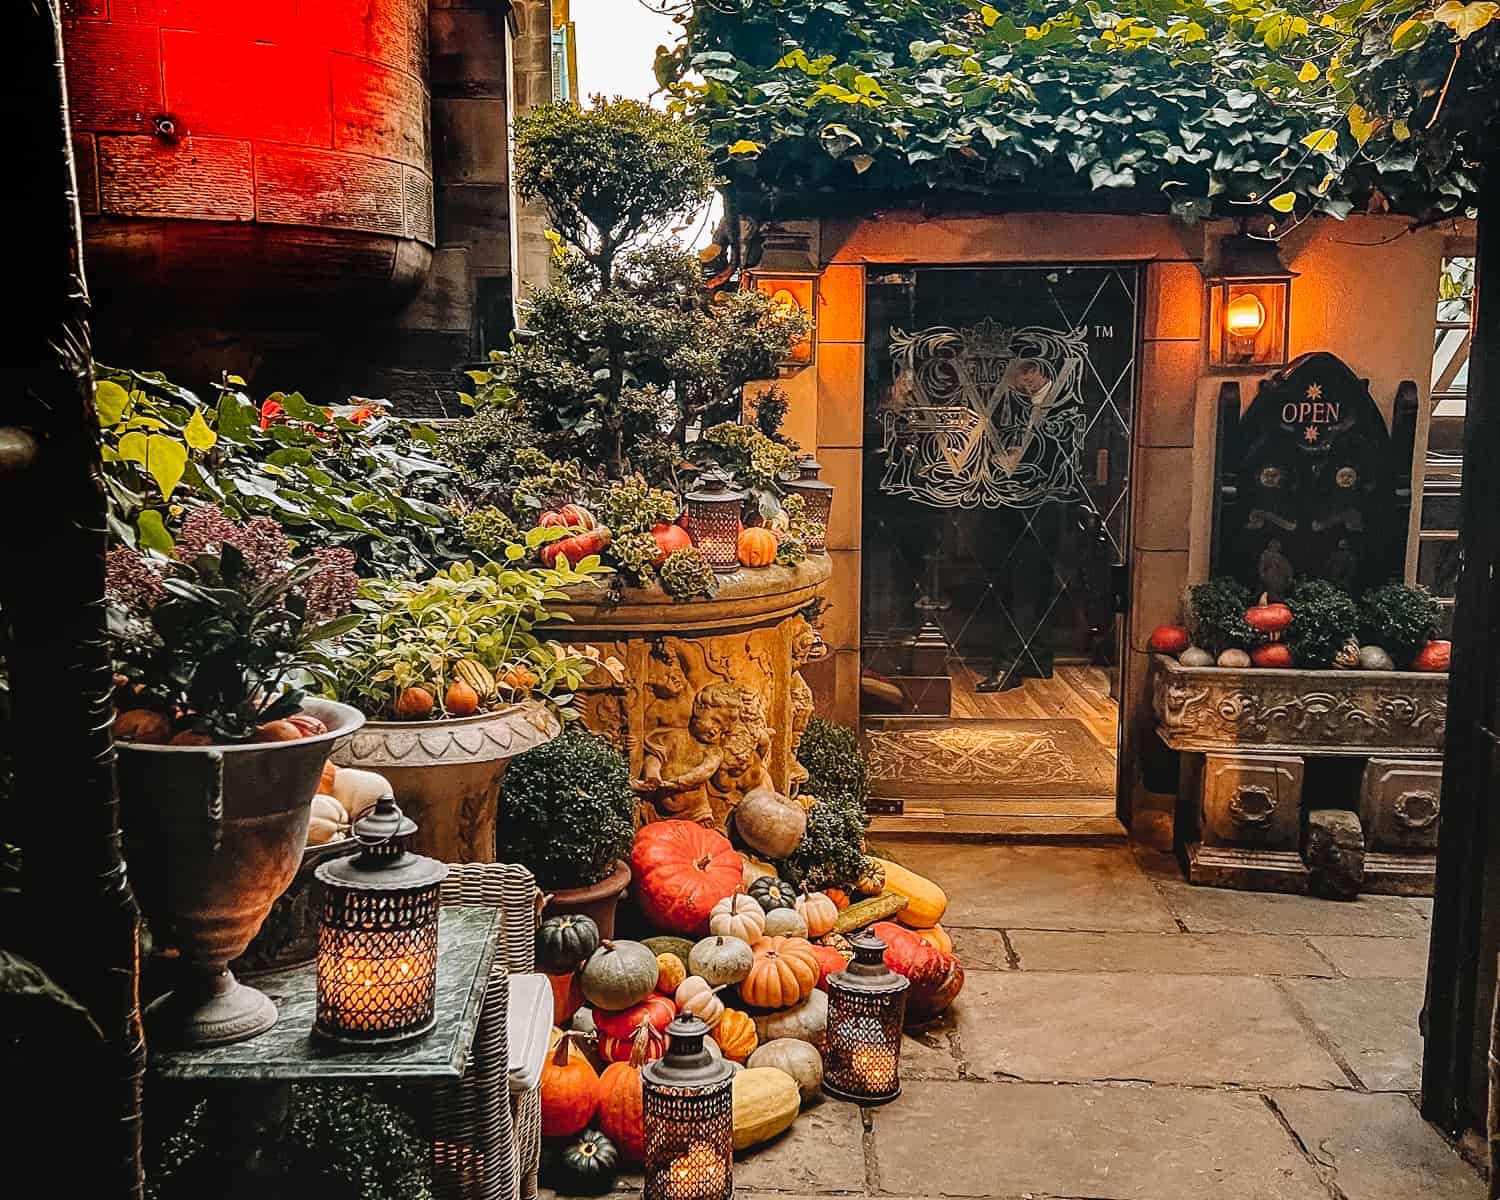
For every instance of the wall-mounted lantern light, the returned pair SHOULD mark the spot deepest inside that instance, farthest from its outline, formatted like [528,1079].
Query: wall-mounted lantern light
[1249,305]
[794,293]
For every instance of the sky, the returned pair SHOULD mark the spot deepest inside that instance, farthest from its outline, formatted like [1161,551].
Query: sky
[617,41]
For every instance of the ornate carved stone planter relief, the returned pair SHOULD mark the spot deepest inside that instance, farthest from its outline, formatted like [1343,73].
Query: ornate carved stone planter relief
[712,702]
[1246,735]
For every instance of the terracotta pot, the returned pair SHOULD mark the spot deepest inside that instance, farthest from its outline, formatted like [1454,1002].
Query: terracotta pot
[446,774]
[598,901]
[213,835]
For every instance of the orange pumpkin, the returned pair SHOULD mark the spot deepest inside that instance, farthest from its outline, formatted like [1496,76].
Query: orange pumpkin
[784,973]
[570,1090]
[757,547]
[830,962]
[736,1035]
[621,1098]
[567,997]
[839,897]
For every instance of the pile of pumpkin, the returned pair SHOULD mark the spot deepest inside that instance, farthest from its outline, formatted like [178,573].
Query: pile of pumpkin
[742,950]
[344,795]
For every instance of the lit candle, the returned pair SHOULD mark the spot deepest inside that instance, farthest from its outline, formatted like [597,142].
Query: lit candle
[874,1066]
[696,1174]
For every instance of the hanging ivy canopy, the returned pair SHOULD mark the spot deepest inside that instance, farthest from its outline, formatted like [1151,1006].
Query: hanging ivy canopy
[817,107]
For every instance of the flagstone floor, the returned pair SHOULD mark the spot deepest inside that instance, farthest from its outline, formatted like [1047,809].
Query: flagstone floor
[1123,1036]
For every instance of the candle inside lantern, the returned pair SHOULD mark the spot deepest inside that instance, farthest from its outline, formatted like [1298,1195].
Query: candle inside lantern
[696,1174]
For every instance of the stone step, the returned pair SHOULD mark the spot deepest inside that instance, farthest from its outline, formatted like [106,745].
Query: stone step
[1089,818]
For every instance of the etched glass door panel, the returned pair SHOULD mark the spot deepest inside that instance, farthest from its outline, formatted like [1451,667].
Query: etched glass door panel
[997,450]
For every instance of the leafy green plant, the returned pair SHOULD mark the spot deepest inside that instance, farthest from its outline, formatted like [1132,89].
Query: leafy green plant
[758,462]
[1324,619]
[687,575]
[338,1142]
[1216,616]
[416,632]
[225,637]
[373,485]
[567,810]
[834,762]
[1401,618]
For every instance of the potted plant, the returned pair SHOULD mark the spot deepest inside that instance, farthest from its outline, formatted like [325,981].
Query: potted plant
[220,749]
[453,679]
[567,813]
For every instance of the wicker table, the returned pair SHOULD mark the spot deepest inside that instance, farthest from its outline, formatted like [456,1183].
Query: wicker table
[288,1053]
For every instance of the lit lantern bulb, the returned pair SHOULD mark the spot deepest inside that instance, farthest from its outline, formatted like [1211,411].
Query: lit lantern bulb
[1245,316]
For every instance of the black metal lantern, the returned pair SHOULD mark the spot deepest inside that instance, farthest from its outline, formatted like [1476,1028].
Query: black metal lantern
[713,519]
[688,1119]
[378,935]
[1249,305]
[866,1009]
[817,499]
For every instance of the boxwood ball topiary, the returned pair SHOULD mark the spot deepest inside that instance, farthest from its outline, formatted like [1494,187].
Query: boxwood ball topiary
[566,810]
[1400,618]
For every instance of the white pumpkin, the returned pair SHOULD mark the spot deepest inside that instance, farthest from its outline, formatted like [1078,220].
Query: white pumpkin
[358,790]
[807,1022]
[738,916]
[697,997]
[721,959]
[820,913]
[785,922]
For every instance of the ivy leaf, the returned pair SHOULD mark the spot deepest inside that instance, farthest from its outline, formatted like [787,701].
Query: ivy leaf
[1360,124]
[166,460]
[1400,130]
[1308,73]
[152,534]
[745,146]
[1323,141]
[132,447]
[1466,19]
[1103,175]
[1409,35]
[862,162]
[838,139]
[1283,203]
[197,434]
[110,400]
[989,14]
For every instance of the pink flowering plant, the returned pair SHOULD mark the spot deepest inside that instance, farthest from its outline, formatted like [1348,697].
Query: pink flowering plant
[227,634]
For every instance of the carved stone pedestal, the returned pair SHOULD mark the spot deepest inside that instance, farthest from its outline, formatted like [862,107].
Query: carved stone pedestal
[706,697]
[1244,736]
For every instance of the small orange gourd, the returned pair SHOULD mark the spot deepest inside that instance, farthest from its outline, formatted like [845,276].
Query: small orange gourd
[736,1035]
[461,700]
[414,704]
[570,1090]
[670,973]
[839,897]
[757,547]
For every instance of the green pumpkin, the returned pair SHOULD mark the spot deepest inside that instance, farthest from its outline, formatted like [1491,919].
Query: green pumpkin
[619,974]
[771,893]
[564,943]
[586,1166]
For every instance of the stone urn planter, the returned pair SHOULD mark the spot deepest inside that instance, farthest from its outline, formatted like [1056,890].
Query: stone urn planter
[598,901]
[213,835]
[717,677]
[446,774]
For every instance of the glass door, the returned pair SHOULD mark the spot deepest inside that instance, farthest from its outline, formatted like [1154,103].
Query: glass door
[998,417]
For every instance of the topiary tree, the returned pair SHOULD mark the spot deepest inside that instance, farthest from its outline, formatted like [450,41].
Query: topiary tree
[1401,618]
[627,350]
[1324,621]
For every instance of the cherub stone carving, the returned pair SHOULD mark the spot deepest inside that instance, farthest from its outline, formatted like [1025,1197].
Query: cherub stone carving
[679,762]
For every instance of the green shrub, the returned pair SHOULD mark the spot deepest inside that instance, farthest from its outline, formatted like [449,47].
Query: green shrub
[1401,618]
[1216,616]
[1324,618]
[832,850]
[567,811]
[687,575]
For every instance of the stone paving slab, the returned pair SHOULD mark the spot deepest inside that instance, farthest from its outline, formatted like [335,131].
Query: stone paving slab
[1377,1147]
[1114,1143]
[822,1152]
[1189,1029]
[930,1051]
[980,949]
[1220,910]
[1375,957]
[1168,953]
[1371,1024]
[1040,887]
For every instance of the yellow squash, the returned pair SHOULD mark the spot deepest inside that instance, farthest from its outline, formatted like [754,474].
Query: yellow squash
[926,902]
[766,1102]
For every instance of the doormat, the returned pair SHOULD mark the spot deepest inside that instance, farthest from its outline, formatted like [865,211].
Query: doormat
[945,759]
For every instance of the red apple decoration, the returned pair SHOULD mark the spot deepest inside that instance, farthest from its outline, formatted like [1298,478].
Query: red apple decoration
[1434,657]
[1170,639]
[1272,654]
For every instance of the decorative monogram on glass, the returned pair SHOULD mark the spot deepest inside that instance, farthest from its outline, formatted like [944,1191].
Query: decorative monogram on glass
[985,416]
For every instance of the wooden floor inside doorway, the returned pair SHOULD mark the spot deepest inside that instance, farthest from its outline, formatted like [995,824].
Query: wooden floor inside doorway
[1076,699]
